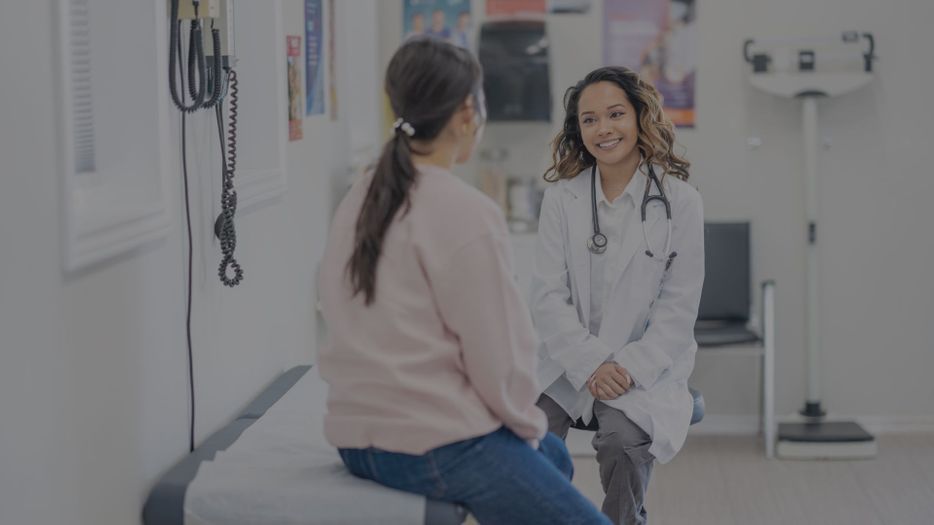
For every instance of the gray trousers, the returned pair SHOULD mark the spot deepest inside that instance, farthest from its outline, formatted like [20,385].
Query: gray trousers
[622,453]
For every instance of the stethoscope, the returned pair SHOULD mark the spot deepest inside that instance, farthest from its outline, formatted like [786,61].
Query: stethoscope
[597,242]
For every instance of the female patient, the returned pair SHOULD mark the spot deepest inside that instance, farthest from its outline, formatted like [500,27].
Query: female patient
[618,274]
[431,353]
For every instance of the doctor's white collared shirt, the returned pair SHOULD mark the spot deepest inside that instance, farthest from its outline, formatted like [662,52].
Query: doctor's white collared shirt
[614,217]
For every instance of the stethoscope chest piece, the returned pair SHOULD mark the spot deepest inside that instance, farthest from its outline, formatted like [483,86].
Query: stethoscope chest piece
[597,243]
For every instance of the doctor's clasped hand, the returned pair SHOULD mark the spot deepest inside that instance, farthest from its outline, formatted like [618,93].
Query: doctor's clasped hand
[609,381]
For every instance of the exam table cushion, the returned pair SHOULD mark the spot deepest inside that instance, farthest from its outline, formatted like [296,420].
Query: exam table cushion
[272,465]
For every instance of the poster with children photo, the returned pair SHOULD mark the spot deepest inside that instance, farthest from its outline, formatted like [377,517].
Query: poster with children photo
[445,19]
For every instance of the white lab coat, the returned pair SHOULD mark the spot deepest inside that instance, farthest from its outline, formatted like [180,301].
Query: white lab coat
[648,317]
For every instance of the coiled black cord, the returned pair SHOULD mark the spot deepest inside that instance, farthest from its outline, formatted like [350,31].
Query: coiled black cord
[224,226]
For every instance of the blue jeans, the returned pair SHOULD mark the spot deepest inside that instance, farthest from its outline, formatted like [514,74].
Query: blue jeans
[498,477]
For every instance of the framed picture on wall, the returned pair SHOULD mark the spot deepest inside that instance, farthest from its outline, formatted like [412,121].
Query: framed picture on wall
[113,168]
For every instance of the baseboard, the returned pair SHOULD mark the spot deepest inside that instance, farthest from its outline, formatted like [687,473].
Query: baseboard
[894,424]
[727,424]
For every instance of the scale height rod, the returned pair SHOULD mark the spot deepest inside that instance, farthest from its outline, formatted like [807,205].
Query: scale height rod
[809,122]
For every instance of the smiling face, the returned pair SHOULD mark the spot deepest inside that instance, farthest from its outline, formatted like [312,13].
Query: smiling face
[608,125]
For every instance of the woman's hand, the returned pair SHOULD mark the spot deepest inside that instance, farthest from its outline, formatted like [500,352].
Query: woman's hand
[609,381]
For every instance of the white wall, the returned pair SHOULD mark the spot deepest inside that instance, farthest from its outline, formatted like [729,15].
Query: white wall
[93,402]
[93,366]
[877,303]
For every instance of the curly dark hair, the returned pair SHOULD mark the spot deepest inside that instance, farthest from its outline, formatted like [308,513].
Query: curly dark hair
[656,132]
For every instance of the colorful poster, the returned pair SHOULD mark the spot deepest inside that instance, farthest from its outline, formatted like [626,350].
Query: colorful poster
[332,76]
[293,57]
[658,39]
[506,8]
[446,19]
[314,69]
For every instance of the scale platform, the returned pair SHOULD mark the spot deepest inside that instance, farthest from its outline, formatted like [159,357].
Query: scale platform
[825,440]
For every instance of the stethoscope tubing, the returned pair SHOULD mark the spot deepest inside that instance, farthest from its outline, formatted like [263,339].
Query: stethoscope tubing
[597,242]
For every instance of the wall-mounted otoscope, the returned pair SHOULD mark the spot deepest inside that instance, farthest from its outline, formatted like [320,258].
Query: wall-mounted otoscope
[210,78]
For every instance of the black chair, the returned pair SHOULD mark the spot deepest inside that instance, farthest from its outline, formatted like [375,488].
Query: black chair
[723,320]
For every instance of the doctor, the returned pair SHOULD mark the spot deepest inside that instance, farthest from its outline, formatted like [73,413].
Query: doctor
[617,281]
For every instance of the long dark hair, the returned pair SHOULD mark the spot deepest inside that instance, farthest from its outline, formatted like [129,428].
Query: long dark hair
[656,132]
[427,80]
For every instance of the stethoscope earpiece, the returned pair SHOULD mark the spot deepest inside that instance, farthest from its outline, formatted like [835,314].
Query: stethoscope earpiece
[671,259]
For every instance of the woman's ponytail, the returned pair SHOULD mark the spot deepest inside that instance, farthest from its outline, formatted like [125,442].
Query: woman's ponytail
[392,179]
[427,80]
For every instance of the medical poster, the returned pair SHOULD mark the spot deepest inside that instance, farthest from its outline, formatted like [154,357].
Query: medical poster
[332,76]
[449,20]
[294,70]
[507,8]
[658,39]
[314,68]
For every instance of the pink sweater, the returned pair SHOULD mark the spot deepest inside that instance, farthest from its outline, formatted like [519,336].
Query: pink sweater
[447,350]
